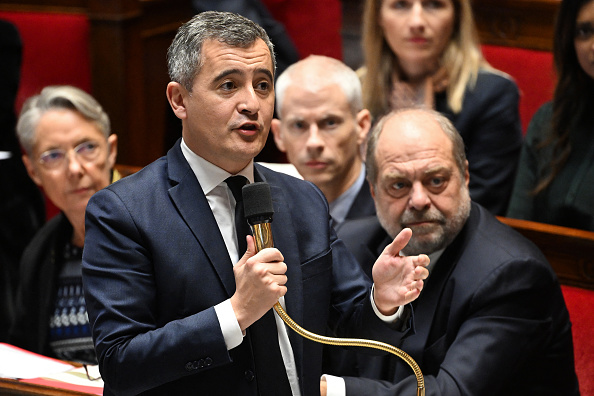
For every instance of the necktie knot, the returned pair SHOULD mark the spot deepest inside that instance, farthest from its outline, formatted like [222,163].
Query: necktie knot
[236,183]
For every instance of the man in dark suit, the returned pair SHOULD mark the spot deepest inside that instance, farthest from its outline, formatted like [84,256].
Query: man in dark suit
[176,305]
[322,128]
[491,319]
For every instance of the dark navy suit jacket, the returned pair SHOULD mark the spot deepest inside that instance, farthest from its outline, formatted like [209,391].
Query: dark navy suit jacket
[363,204]
[155,265]
[491,319]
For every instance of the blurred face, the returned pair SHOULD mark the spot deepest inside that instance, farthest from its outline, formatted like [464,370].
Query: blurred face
[584,39]
[321,136]
[226,117]
[419,185]
[418,32]
[71,160]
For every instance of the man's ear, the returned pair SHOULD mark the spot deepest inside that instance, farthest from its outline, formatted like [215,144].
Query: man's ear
[364,122]
[31,170]
[176,95]
[275,128]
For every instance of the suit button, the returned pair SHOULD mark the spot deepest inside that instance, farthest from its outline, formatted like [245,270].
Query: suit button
[201,363]
[189,366]
[249,375]
[207,361]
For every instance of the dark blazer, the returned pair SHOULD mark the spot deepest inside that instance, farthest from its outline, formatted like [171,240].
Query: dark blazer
[491,319]
[363,204]
[490,125]
[39,271]
[155,264]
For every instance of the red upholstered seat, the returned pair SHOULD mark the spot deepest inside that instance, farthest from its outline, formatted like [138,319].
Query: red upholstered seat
[55,52]
[579,303]
[314,25]
[533,72]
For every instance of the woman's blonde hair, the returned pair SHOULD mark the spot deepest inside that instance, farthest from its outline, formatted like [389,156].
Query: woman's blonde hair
[462,58]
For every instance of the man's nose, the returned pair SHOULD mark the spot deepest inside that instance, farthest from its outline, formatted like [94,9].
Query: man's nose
[419,198]
[249,103]
[314,139]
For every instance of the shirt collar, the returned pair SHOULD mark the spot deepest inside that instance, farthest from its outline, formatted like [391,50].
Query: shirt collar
[433,257]
[209,175]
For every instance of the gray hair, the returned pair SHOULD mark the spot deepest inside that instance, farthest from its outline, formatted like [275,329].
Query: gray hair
[184,57]
[458,150]
[54,98]
[329,71]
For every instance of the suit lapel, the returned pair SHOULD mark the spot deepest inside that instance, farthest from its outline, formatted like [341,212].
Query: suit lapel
[193,207]
[363,204]
[429,302]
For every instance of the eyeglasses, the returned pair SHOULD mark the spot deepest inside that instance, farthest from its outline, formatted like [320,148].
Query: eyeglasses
[84,152]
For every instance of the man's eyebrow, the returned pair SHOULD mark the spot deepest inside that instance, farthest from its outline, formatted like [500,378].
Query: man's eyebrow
[228,72]
[436,169]
[268,73]
[394,174]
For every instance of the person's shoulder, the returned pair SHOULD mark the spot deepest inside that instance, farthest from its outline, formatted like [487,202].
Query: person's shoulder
[57,223]
[286,168]
[283,178]
[488,252]
[490,90]
[544,112]
[57,227]
[365,230]
[296,193]
[489,80]
[145,178]
[540,124]
[367,225]
[500,241]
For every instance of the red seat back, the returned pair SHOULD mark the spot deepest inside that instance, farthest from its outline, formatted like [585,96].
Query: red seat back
[533,72]
[55,52]
[579,303]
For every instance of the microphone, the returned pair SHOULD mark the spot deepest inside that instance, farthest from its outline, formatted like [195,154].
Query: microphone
[258,209]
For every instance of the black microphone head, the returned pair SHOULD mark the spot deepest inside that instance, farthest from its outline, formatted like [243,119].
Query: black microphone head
[257,202]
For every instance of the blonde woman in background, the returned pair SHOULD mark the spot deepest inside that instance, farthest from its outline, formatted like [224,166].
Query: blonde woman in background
[426,53]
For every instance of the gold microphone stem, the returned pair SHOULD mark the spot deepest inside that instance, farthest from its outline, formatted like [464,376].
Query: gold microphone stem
[263,238]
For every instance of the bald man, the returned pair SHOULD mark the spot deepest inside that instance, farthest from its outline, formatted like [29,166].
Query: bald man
[322,128]
[491,319]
